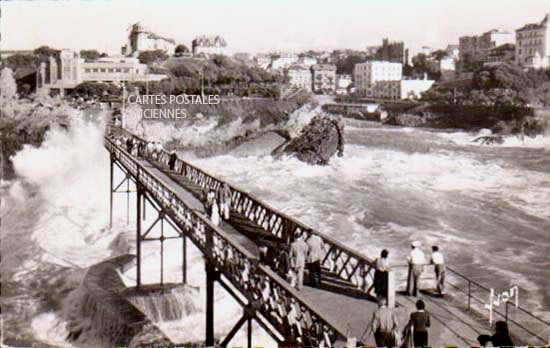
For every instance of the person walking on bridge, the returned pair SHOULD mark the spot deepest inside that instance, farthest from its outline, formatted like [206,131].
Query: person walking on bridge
[172,159]
[298,254]
[384,323]
[439,267]
[225,201]
[419,324]
[416,266]
[315,254]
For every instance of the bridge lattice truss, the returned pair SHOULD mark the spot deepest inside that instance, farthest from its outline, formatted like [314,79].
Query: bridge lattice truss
[267,297]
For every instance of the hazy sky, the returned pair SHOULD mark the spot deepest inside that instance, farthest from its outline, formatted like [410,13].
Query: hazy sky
[260,25]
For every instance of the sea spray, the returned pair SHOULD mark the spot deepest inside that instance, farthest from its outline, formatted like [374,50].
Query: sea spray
[161,305]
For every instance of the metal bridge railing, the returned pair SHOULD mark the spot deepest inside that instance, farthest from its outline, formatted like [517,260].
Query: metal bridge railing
[268,294]
[474,296]
[343,261]
[339,259]
[522,323]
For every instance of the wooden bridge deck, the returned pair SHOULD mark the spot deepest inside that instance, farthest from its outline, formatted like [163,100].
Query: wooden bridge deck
[450,325]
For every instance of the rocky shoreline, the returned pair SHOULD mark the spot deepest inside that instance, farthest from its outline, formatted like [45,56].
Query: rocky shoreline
[25,122]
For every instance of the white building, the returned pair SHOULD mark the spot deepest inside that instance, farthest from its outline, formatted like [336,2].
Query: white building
[283,60]
[308,61]
[413,89]
[142,39]
[533,44]
[67,70]
[262,60]
[367,75]
[209,45]
[453,51]
[447,63]
[343,81]
[299,76]
[324,78]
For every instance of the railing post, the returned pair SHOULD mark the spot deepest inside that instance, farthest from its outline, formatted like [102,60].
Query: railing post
[506,312]
[249,333]
[391,289]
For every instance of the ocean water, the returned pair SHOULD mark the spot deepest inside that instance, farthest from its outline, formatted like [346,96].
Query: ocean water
[486,206]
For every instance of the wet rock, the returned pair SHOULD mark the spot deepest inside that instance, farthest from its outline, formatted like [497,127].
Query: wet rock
[321,139]
[489,140]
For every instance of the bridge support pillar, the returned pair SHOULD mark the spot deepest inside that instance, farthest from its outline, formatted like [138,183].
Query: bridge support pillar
[138,233]
[210,278]
[111,192]
[184,260]
[249,332]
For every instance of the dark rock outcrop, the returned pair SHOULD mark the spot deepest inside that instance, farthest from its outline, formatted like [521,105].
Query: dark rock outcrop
[318,142]
[489,140]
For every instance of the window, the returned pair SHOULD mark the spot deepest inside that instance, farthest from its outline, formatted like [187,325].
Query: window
[102,70]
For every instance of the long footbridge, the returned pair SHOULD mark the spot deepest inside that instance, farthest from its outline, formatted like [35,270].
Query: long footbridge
[334,314]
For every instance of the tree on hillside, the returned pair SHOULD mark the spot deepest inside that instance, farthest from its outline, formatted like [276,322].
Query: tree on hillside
[423,65]
[44,52]
[180,49]
[149,57]
[89,54]
[347,64]
[21,61]
[96,89]
[439,54]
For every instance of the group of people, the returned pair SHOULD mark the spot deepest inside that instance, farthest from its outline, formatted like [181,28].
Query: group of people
[417,261]
[218,203]
[386,331]
[146,149]
[307,248]
[384,323]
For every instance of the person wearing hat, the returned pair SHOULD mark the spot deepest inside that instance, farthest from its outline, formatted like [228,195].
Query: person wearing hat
[416,262]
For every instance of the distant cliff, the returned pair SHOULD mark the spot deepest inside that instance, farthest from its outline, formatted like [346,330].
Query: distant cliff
[503,119]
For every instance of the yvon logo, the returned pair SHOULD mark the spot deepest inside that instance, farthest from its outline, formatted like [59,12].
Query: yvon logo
[502,297]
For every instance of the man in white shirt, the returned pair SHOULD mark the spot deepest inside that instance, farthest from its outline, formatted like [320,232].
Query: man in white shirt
[384,322]
[439,266]
[315,255]
[416,261]
[298,254]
